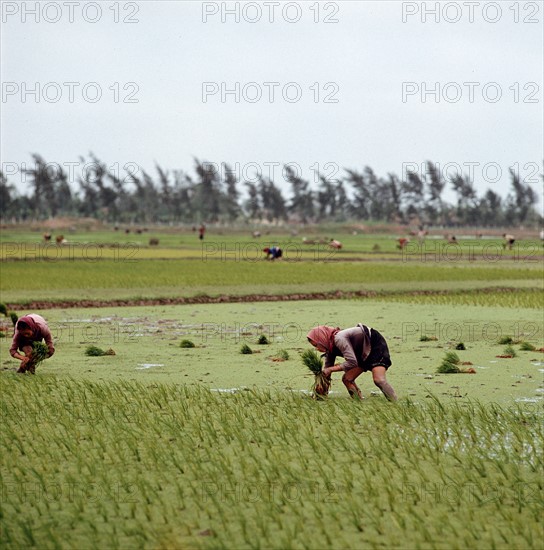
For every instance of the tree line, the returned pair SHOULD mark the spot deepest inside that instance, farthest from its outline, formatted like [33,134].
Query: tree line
[205,195]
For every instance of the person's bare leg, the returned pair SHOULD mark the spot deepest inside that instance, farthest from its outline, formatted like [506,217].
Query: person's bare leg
[378,375]
[349,381]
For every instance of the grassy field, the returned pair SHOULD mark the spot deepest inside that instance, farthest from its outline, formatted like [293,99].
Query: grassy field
[228,245]
[146,341]
[108,279]
[164,447]
[107,265]
[126,465]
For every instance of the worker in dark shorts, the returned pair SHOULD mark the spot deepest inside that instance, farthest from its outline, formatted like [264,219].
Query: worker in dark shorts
[363,348]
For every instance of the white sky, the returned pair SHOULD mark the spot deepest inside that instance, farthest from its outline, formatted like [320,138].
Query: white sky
[367,54]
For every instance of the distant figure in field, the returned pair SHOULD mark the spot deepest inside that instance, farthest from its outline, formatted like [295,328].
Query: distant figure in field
[363,348]
[333,243]
[60,239]
[47,237]
[402,243]
[451,239]
[201,231]
[273,252]
[29,329]
[256,234]
[153,242]
[509,241]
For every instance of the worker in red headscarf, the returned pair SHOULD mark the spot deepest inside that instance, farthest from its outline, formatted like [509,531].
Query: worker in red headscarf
[29,329]
[363,348]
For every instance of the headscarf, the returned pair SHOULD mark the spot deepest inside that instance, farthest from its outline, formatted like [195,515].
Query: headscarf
[31,324]
[323,335]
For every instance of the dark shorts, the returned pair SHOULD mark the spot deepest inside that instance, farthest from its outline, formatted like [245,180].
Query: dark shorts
[379,354]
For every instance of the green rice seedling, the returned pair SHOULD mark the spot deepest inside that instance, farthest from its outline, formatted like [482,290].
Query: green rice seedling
[460,346]
[312,360]
[450,364]
[505,340]
[265,450]
[94,351]
[14,317]
[39,352]
[2,334]
[245,350]
[186,344]
[509,351]
[3,309]
[263,340]
[283,354]
[425,338]
[322,383]
[527,346]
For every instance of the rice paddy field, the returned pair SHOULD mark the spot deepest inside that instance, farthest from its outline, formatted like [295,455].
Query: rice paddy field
[177,440]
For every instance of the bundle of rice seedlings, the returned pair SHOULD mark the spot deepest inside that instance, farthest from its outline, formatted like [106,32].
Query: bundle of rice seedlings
[186,344]
[246,350]
[460,346]
[281,356]
[263,340]
[527,346]
[506,340]
[509,351]
[14,317]
[3,309]
[450,364]
[39,353]
[425,338]
[322,383]
[94,351]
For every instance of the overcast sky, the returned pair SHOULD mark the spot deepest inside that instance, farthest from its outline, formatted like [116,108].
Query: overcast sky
[352,86]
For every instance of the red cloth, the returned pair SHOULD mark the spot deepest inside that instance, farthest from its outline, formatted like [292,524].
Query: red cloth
[323,335]
[31,323]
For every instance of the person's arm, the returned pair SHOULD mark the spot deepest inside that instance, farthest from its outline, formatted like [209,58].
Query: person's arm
[335,368]
[14,349]
[329,365]
[344,345]
[346,350]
